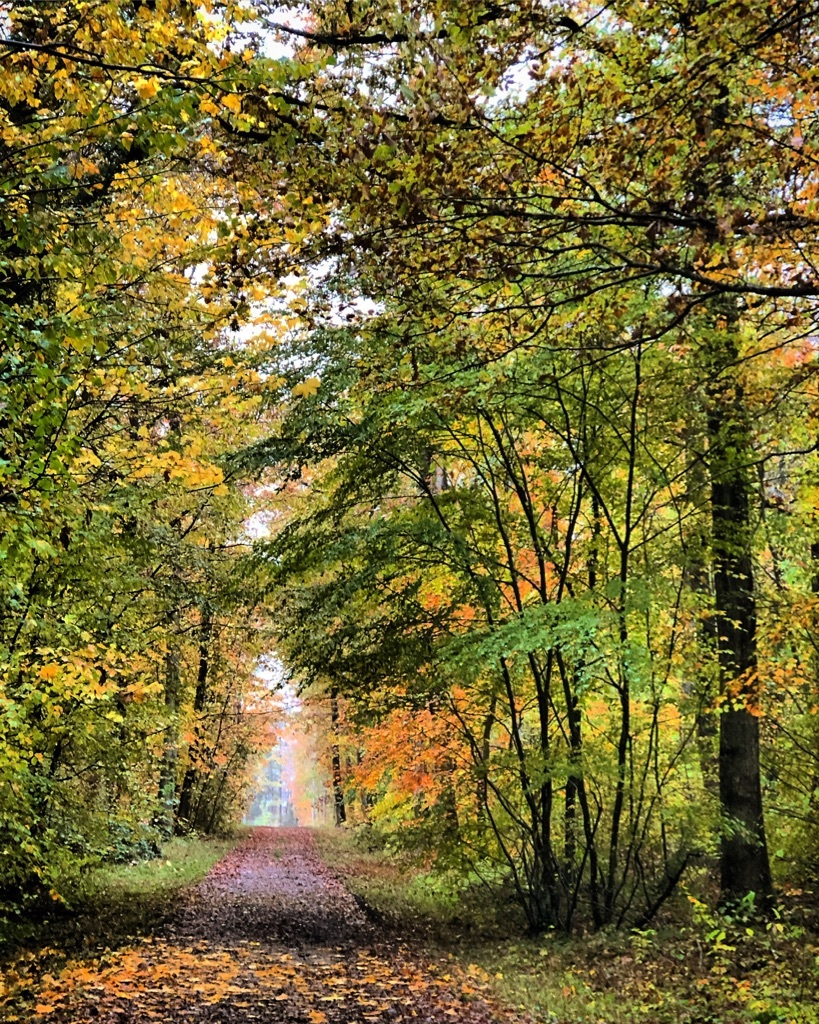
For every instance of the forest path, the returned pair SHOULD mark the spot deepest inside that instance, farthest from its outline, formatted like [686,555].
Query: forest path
[268,937]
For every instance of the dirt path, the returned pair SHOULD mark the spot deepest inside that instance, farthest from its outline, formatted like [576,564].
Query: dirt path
[269,936]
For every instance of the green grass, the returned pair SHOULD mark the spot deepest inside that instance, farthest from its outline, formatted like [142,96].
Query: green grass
[397,889]
[110,904]
[182,862]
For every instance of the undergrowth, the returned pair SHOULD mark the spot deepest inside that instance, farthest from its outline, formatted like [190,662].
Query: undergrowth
[696,965]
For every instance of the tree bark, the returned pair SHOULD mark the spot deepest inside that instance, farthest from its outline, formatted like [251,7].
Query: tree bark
[170,752]
[338,787]
[696,576]
[744,864]
[183,813]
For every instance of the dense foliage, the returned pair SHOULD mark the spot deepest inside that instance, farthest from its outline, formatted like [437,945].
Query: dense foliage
[504,316]
[557,548]
[127,644]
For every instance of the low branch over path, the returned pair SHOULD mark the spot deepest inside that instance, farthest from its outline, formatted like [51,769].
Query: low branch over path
[268,936]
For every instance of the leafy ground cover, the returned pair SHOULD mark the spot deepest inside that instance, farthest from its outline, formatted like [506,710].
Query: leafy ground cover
[270,935]
[317,927]
[109,906]
[695,965]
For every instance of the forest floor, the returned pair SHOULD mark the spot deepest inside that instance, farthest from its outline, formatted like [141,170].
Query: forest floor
[693,964]
[269,935]
[300,926]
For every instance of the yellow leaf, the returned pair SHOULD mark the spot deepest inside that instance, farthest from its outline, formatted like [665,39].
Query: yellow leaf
[49,671]
[146,88]
[307,387]
[233,102]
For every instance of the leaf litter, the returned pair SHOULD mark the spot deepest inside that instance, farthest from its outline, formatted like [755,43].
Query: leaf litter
[270,936]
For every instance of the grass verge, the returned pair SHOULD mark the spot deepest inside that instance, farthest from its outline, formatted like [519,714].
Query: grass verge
[182,862]
[396,892]
[111,903]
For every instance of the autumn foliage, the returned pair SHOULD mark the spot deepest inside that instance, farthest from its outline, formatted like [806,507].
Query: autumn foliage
[464,354]
[127,696]
[555,545]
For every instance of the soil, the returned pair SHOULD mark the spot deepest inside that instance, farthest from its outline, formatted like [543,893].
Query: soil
[269,936]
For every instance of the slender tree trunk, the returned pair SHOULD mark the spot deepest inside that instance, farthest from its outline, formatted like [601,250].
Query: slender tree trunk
[578,783]
[485,749]
[744,855]
[574,781]
[813,798]
[199,701]
[338,787]
[624,682]
[570,802]
[170,752]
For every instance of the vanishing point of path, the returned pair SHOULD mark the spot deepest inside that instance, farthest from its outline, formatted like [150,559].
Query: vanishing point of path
[268,937]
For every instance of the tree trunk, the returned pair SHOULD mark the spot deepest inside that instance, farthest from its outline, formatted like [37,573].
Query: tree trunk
[184,809]
[170,752]
[744,855]
[696,575]
[338,788]
[813,785]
